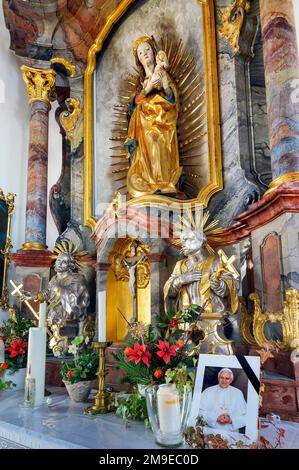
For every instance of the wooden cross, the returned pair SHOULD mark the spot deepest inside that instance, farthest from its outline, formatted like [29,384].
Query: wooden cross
[18,291]
[226,264]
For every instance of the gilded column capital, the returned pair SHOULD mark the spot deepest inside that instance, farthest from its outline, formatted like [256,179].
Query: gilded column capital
[40,83]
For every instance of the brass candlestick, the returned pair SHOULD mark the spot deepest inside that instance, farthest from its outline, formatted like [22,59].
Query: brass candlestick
[100,405]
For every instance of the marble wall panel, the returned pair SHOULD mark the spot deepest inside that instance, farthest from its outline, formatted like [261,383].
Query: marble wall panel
[287,227]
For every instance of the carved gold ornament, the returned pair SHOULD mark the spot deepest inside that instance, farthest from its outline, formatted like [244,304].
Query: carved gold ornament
[288,319]
[66,63]
[40,84]
[245,324]
[9,200]
[232,21]
[89,327]
[58,343]
[121,253]
[69,118]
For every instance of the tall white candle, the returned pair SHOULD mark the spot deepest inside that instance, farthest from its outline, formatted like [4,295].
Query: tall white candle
[42,314]
[2,351]
[36,361]
[102,307]
[169,409]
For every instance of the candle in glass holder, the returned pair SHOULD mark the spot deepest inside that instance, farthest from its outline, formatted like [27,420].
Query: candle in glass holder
[169,409]
[102,316]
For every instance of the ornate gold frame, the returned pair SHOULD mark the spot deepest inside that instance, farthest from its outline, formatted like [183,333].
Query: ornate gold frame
[9,201]
[288,318]
[213,115]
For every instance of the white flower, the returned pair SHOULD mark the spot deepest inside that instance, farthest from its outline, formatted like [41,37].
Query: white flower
[72,349]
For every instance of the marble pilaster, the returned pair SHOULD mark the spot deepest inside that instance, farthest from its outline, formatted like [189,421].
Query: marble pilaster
[36,207]
[40,86]
[282,74]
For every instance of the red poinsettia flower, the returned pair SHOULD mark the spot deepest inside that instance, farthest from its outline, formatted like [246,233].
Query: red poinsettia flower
[139,353]
[173,323]
[166,351]
[4,366]
[158,374]
[70,374]
[17,348]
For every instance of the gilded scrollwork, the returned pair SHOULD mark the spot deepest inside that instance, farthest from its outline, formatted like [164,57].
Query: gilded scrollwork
[69,118]
[8,202]
[288,319]
[233,19]
[246,323]
[40,84]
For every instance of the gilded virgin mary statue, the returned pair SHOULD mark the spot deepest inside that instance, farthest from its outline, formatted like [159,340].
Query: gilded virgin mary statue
[152,136]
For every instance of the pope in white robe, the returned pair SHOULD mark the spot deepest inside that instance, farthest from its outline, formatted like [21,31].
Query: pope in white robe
[223,406]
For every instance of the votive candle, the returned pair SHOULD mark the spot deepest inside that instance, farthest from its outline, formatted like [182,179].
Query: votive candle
[169,409]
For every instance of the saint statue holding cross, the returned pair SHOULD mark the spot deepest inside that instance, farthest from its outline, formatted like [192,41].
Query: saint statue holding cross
[207,279]
[203,277]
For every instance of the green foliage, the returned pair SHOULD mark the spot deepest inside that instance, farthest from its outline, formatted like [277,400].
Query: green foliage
[18,329]
[129,407]
[83,366]
[6,385]
[181,377]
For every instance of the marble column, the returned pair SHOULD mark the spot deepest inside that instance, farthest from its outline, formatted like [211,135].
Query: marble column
[40,88]
[282,84]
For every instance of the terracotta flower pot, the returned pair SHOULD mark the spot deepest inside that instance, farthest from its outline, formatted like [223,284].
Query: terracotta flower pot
[79,391]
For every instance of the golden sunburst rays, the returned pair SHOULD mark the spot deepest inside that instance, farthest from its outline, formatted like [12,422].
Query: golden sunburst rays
[120,130]
[197,223]
[191,125]
[71,249]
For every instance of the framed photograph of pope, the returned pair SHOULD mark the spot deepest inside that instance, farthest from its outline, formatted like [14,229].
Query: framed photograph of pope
[226,395]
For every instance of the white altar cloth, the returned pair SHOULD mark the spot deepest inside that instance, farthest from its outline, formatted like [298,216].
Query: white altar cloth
[62,425]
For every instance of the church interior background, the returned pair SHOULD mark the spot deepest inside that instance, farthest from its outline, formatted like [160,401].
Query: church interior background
[133,131]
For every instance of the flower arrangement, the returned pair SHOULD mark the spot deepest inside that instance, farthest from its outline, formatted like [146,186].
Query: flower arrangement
[83,366]
[164,354]
[14,333]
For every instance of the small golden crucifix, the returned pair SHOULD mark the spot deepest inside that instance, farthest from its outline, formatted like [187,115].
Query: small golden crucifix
[18,291]
[226,264]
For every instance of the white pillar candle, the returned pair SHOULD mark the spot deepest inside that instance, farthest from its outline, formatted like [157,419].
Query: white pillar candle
[102,316]
[36,361]
[2,351]
[42,314]
[169,409]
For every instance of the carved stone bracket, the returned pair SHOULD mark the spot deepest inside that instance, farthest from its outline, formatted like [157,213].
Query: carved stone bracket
[288,319]
[239,29]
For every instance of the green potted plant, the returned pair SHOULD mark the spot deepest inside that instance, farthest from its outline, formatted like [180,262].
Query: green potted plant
[14,333]
[79,372]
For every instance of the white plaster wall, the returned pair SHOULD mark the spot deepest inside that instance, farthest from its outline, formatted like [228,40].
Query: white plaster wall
[14,133]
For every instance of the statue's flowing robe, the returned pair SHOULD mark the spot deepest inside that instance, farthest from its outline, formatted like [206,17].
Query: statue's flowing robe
[200,292]
[68,298]
[215,401]
[153,145]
